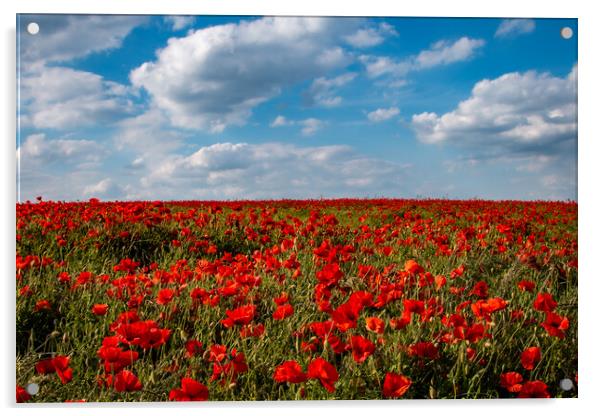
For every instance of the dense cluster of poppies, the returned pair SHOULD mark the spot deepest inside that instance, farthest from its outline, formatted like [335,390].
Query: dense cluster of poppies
[286,300]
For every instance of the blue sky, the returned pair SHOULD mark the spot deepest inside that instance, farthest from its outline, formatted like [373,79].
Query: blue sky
[153,107]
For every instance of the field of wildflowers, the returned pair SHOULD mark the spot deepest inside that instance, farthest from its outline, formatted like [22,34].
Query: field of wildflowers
[291,300]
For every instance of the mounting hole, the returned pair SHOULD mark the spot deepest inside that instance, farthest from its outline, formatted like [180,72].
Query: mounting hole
[566,384]
[33,28]
[566,32]
[32,388]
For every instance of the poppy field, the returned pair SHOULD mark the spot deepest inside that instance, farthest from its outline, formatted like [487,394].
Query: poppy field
[295,300]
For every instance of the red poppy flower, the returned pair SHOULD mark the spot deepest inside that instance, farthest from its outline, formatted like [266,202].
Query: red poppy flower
[324,371]
[413,306]
[484,308]
[289,372]
[534,389]
[544,302]
[165,296]
[22,395]
[281,300]
[126,265]
[480,289]
[58,365]
[25,291]
[345,316]
[361,299]
[193,347]
[556,325]
[124,318]
[526,285]
[361,348]
[252,330]
[145,334]
[496,304]
[440,281]
[330,274]
[457,272]
[400,323]
[283,311]
[217,353]
[530,357]
[239,361]
[412,267]
[395,385]
[42,305]
[115,359]
[511,381]
[191,391]
[239,316]
[424,350]
[64,277]
[375,324]
[125,381]
[100,309]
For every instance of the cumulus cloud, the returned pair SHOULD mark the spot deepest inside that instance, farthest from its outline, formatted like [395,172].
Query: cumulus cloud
[367,37]
[323,90]
[443,52]
[56,168]
[309,126]
[101,189]
[383,114]
[147,138]
[377,66]
[280,121]
[215,76]
[36,150]
[514,27]
[446,52]
[59,98]
[520,113]
[65,37]
[179,22]
[272,170]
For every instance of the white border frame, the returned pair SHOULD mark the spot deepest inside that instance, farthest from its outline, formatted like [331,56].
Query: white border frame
[590,232]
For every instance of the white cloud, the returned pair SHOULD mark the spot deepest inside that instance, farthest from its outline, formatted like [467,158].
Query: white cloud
[57,168]
[138,162]
[36,150]
[280,121]
[64,37]
[371,36]
[443,52]
[100,189]
[271,170]
[311,125]
[148,136]
[528,113]
[179,22]
[323,90]
[383,114]
[446,52]
[214,77]
[514,27]
[59,98]
[377,66]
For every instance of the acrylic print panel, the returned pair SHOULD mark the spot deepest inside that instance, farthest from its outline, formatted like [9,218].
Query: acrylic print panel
[292,208]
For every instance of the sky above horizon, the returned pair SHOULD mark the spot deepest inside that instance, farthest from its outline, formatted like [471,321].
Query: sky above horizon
[227,107]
